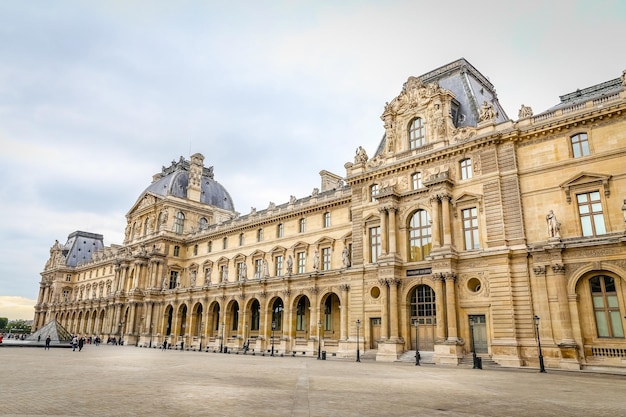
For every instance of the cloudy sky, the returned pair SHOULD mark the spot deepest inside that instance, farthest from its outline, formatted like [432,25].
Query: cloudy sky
[96,96]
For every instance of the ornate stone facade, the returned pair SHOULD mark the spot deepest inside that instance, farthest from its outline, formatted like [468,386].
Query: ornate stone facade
[448,231]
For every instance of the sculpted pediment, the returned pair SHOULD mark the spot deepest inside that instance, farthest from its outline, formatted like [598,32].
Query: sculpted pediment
[145,201]
[585,179]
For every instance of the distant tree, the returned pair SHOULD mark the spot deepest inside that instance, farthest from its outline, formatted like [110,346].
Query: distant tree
[18,326]
[3,323]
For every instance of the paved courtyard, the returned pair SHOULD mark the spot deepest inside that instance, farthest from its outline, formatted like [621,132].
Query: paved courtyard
[129,381]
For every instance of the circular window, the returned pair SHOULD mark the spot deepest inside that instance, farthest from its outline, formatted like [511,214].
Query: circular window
[474,285]
[375,292]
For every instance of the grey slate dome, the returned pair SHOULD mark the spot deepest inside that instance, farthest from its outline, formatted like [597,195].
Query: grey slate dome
[174,181]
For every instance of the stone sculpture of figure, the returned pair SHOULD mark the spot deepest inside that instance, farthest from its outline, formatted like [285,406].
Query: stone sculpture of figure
[164,284]
[345,257]
[316,260]
[192,279]
[525,111]
[292,199]
[624,78]
[225,274]
[553,225]
[265,269]
[361,156]
[207,276]
[487,112]
[289,265]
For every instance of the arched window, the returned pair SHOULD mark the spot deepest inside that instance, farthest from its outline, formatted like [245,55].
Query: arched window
[225,243]
[280,230]
[241,239]
[423,305]
[203,223]
[606,306]
[301,314]
[256,315]
[327,219]
[146,226]
[277,313]
[416,133]
[302,224]
[419,236]
[580,145]
[179,222]
[259,235]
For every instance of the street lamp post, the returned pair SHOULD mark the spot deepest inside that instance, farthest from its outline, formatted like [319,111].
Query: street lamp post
[223,335]
[475,361]
[273,328]
[151,327]
[542,368]
[319,340]
[417,350]
[358,352]
[246,343]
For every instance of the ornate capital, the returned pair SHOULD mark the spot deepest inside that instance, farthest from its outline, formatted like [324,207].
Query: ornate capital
[314,290]
[558,268]
[539,270]
[344,287]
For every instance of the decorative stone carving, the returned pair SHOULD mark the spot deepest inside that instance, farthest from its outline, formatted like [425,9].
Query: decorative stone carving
[207,275]
[558,268]
[316,261]
[525,111]
[192,279]
[539,270]
[463,133]
[361,156]
[344,287]
[345,257]
[289,265]
[487,113]
[554,226]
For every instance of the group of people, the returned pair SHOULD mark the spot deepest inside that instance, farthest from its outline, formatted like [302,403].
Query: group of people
[78,342]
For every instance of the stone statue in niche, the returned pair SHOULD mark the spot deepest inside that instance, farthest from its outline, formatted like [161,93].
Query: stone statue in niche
[316,261]
[487,112]
[361,156]
[265,269]
[207,276]
[225,274]
[554,227]
[345,257]
[243,272]
[289,265]
[192,279]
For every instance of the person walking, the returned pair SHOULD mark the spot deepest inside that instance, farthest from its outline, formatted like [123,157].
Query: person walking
[47,343]
[81,343]
[165,345]
[74,343]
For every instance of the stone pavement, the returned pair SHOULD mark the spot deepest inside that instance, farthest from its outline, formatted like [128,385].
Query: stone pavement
[130,381]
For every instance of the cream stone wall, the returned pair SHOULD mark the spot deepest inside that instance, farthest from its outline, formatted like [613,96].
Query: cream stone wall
[520,171]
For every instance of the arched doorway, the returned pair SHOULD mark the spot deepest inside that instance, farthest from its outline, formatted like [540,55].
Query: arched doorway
[423,309]
[331,320]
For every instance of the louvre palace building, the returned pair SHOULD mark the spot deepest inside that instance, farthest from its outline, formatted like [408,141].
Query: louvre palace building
[462,231]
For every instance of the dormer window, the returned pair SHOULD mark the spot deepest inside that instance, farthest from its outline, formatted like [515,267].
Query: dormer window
[416,133]
[179,222]
[374,190]
[466,169]
[416,181]
[580,145]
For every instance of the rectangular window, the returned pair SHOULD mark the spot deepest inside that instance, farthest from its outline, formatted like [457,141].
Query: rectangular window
[590,212]
[173,279]
[374,190]
[325,259]
[280,230]
[210,247]
[258,268]
[301,262]
[224,243]
[241,269]
[466,169]
[470,228]
[195,250]
[326,219]
[302,225]
[417,181]
[278,261]
[375,243]
[580,145]
[176,250]
[241,239]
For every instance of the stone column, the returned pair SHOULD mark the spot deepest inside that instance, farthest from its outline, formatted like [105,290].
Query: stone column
[393,309]
[392,230]
[445,219]
[131,318]
[384,319]
[451,307]
[564,327]
[434,201]
[344,312]
[384,232]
